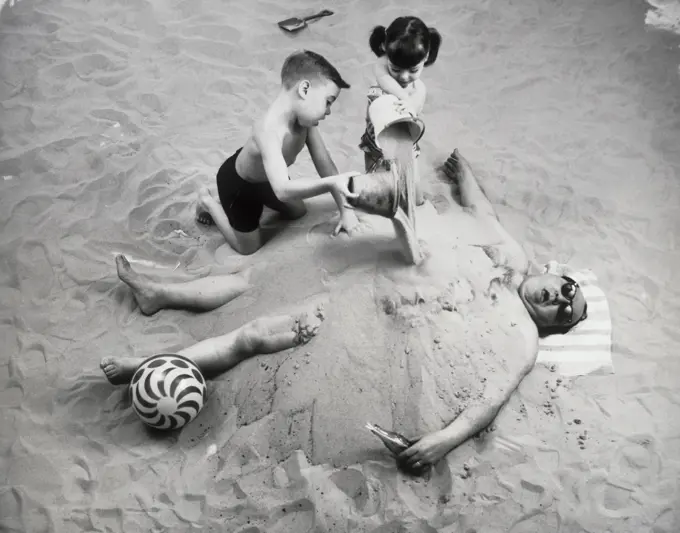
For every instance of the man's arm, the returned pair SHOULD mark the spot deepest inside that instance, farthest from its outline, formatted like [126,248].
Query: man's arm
[277,172]
[475,418]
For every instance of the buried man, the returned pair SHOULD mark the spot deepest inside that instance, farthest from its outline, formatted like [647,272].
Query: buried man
[554,303]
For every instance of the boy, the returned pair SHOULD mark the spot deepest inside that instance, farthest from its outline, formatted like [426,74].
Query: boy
[257,174]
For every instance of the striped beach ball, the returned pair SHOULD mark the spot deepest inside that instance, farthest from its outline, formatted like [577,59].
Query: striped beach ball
[168,391]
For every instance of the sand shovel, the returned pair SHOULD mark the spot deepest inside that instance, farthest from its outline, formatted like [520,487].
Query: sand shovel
[296,24]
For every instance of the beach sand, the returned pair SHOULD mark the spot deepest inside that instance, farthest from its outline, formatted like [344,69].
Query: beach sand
[115,113]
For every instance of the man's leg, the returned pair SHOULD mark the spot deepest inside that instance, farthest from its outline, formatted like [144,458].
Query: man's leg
[471,194]
[204,294]
[217,355]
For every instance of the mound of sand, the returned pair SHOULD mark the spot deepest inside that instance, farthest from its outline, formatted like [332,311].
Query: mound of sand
[405,347]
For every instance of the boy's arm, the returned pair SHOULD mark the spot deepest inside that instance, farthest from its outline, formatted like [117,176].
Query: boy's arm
[323,162]
[286,189]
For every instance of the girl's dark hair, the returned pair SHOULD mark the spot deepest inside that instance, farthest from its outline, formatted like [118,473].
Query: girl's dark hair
[406,42]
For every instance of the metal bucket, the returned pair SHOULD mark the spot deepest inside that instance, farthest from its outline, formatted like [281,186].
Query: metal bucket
[379,192]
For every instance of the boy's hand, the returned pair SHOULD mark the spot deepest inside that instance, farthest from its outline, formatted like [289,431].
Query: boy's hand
[340,185]
[349,223]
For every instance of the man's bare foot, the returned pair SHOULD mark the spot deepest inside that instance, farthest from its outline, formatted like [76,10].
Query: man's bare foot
[146,295]
[307,324]
[119,370]
[203,207]
[273,334]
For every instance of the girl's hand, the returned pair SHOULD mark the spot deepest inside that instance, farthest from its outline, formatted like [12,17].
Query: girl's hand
[407,107]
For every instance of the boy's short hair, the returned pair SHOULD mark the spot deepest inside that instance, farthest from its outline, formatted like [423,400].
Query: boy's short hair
[306,65]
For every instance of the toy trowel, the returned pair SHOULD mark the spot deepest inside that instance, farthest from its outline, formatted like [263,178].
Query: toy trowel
[295,24]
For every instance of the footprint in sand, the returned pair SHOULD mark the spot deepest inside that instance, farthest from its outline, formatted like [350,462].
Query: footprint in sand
[667,521]
[139,216]
[151,102]
[107,519]
[19,508]
[25,214]
[12,395]
[61,72]
[637,461]
[9,340]
[32,362]
[536,522]
[154,195]
[79,483]
[34,270]
[354,484]
[90,64]
[294,516]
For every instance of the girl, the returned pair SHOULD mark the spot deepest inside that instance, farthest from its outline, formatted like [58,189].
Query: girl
[406,47]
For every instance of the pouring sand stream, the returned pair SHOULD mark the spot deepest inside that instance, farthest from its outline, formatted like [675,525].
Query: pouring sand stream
[395,196]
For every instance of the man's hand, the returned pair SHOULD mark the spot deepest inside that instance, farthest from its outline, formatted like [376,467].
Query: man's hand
[426,452]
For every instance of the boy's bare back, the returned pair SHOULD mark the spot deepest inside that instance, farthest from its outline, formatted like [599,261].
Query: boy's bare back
[271,131]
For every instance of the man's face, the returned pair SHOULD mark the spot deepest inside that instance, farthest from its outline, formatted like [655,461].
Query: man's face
[553,301]
[315,100]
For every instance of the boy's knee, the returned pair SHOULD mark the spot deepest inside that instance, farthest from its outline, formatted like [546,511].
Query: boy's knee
[248,249]
[295,210]
[248,243]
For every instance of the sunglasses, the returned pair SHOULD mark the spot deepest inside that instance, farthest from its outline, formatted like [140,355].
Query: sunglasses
[565,313]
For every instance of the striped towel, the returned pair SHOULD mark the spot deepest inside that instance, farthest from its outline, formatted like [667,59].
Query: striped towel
[587,347]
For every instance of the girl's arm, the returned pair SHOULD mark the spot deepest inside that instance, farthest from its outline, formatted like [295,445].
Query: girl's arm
[389,84]
[413,98]
[417,98]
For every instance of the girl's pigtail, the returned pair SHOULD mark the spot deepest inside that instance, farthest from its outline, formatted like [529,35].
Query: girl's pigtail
[435,42]
[377,40]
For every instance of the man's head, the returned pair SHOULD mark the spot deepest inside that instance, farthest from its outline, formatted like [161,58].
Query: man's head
[554,302]
[314,83]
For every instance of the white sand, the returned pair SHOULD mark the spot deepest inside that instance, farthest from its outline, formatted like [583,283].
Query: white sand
[114,113]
